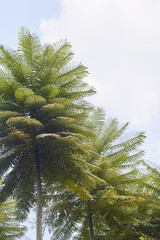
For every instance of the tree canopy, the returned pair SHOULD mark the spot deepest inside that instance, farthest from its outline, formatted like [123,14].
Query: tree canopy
[60,153]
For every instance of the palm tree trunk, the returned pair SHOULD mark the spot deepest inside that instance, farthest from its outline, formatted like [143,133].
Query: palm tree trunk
[90,224]
[39,199]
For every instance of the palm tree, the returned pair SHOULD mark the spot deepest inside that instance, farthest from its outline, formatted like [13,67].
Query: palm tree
[151,207]
[9,227]
[43,123]
[111,209]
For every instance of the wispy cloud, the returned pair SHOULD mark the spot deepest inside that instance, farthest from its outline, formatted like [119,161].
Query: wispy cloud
[120,43]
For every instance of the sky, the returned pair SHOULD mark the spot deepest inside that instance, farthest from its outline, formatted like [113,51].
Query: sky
[119,42]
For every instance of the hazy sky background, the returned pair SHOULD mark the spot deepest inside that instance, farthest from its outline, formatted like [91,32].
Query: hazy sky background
[119,41]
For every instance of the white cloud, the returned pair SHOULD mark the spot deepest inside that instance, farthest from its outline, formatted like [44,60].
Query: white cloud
[119,42]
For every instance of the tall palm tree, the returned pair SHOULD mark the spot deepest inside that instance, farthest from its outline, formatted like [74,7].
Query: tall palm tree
[111,208]
[42,122]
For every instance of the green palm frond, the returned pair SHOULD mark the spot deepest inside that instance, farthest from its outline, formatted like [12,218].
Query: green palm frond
[9,226]
[29,46]
[9,59]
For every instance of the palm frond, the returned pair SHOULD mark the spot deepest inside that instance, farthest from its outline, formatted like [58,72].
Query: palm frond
[29,46]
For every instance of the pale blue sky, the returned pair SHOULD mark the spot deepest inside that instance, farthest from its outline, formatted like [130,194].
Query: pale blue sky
[117,40]
[28,13]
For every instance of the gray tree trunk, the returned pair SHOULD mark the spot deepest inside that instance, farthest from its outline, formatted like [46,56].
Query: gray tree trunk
[90,224]
[39,199]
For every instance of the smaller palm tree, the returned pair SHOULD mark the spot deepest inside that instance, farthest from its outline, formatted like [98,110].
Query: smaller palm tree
[113,203]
